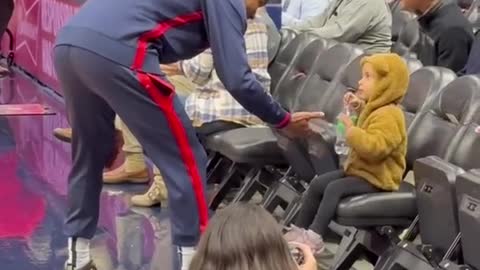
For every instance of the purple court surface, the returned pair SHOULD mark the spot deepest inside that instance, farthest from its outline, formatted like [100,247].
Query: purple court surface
[33,184]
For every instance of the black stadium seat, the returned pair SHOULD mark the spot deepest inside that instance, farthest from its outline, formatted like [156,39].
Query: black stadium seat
[468,196]
[413,64]
[297,73]
[286,57]
[425,84]
[438,185]
[400,18]
[287,35]
[259,146]
[408,39]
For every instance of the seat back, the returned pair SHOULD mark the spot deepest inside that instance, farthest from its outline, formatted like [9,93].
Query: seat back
[466,153]
[408,38]
[290,85]
[400,18]
[461,98]
[437,202]
[468,196]
[287,35]
[332,103]
[327,74]
[310,97]
[320,153]
[424,85]
[452,107]
[286,57]
[413,64]
[425,50]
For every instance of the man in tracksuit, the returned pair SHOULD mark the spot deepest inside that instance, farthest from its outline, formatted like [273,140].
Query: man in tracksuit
[107,60]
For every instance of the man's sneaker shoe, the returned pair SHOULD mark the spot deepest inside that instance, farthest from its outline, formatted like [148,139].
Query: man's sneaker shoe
[63,134]
[89,266]
[121,176]
[156,194]
[185,256]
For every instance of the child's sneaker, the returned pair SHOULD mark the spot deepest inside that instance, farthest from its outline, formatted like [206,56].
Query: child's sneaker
[306,237]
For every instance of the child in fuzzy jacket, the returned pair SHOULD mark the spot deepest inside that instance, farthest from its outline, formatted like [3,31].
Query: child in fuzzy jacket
[378,145]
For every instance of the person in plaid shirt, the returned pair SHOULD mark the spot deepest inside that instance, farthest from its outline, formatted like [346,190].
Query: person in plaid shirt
[211,101]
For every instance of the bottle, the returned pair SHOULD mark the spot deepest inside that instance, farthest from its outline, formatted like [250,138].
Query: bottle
[341,147]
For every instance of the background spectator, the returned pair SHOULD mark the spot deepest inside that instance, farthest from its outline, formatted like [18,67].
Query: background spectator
[447,35]
[295,11]
[473,62]
[367,23]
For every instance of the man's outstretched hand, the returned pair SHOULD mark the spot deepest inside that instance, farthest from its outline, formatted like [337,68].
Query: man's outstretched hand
[298,126]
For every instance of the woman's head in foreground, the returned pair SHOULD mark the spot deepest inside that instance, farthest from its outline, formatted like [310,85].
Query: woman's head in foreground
[243,237]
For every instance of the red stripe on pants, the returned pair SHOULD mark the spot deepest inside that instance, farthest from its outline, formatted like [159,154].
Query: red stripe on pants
[165,103]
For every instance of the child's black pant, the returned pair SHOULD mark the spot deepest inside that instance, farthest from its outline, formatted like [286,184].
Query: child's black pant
[323,196]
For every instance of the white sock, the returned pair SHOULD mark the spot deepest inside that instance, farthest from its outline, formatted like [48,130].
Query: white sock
[187,254]
[78,252]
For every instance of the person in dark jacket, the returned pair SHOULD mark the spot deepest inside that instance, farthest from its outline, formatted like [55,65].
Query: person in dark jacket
[109,62]
[473,64]
[446,35]
[6,11]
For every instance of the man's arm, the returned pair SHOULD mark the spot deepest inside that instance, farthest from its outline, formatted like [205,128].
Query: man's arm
[226,22]
[453,49]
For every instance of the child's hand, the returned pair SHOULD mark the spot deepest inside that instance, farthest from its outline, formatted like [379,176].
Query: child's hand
[309,260]
[346,120]
[350,99]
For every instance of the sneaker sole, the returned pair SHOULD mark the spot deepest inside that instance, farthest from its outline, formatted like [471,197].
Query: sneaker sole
[62,138]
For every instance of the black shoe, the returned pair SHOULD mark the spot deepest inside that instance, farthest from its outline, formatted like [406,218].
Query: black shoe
[89,266]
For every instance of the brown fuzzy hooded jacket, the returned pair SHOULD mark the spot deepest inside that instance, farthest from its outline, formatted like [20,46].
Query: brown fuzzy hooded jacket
[379,140]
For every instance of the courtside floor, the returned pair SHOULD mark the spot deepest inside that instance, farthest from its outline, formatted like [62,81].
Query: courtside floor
[33,173]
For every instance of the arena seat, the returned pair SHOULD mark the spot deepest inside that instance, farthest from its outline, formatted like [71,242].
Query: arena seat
[287,56]
[437,218]
[408,38]
[319,94]
[425,84]
[400,18]
[446,117]
[438,209]
[306,50]
[468,196]
[258,146]
[300,69]
[413,64]
[287,35]
[297,151]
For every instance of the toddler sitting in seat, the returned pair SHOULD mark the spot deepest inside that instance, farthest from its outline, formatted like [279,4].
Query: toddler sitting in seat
[378,145]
